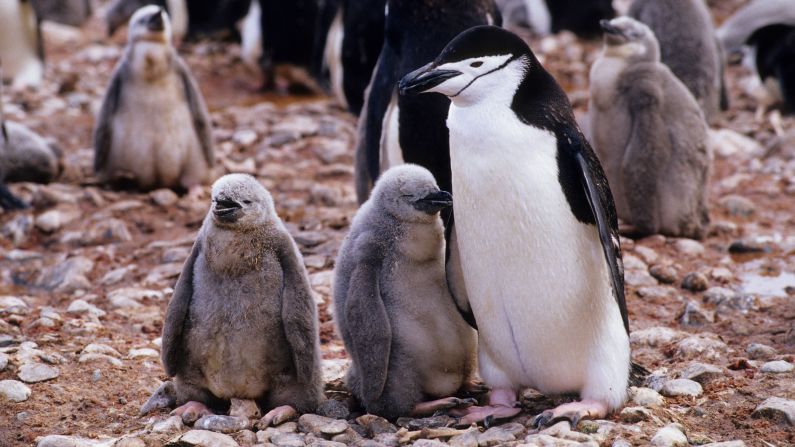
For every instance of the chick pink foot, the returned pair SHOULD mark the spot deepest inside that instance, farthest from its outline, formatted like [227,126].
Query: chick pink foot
[448,403]
[278,416]
[572,412]
[502,405]
[191,411]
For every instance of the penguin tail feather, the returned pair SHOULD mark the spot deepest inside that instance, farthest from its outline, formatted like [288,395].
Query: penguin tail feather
[637,374]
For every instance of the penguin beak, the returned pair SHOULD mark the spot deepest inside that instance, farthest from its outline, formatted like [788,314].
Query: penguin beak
[609,28]
[225,210]
[434,202]
[424,79]
[155,22]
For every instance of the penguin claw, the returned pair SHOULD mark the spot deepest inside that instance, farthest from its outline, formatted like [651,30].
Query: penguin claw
[543,419]
[572,412]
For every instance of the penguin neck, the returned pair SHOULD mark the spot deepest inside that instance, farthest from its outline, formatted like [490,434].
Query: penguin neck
[231,251]
[150,60]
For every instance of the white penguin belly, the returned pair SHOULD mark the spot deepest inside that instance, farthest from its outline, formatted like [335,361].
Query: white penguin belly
[21,63]
[536,277]
[391,153]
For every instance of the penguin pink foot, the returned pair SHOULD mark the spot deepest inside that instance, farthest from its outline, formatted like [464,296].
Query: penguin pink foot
[278,415]
[448,403]
[502,405]
[191,411]
[572,412]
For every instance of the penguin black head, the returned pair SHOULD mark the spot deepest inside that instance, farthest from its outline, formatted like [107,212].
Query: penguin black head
[628,38]
[409,193]
[240,201]
[150,23]
[477,62]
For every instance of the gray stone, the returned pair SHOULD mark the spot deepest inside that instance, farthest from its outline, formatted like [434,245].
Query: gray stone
[321,425]
[500,434]
[737,206]
[37,372]
[99,348]
[702,346]
[116,276]
[171,425]
[701,372]
[288,440]
[647,254]
[689,247]
[246,437]
[334,409]
[682,387]
[431,443]
[632,263]
[13,305]
[777,367]
[633,415]
[176,254]
[376,424]
[222,424]
[81,307]
[206,438]
[666,274]
[143,353]
[657,293]
[670,436]
[655,336]
[639,278]
[776,408]
[14,391]
[695,316]
[164,197]
[3,361]
[67,276]
[441,420]
[718,295]
[91,357]
[18,229]
[759,351]
[131,297]
[695,282]
[551,441]
[467,439]
[645,397]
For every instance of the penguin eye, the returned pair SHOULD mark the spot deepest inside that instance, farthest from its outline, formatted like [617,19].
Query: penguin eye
[247,202]
[476,64]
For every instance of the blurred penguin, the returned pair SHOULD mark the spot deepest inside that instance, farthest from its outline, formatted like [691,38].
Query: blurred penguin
[21,46]
[688,47]
[552,16]
[8,201]
[66,12]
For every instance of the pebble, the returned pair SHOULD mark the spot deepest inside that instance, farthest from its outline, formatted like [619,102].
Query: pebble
[74,441]
[657,293]
[655,336]
[725,444]
[702,346]
[701,372]
[718,295]
[737,206]
[170,425]
[206,438]
[467,439]
[53,220]
[67,276]
[164,197]
[562,430]
[695,282]
[647,254]
[682,387]
[501,434]
[37,372]
[288,440]
[666,274]
[92,357]
[694,316]
[670,436]
[81,307]
[143,352]
[777,367]
[376,424]
[3,361]
[116,276]
[689,247]
[645,397]
[551,441]
[14,391]
[775,408]
[320,425]
[639,278]
[222,424]
[130,297]
[632,415]
[99,348]
[107,231]
[13,305]
[759,351]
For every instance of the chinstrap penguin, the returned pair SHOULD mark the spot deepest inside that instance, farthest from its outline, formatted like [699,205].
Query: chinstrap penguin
[689,47]
[392,306]
[21,45]
[153,130]
[242,322]
[537,230]
[650,135]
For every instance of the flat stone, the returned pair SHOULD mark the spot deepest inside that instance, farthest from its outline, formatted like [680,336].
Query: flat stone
[81,307]
[547,440]
[14,391]
[441,420]
[657,293]
[655,336]
[91,357]
[288,440]
[737,206]
[775,408]
[670,436]
[131,297]
[633,415]
[701,346]
[701,372]
[682,387]
[74,441]
[467,439]
[759,351]
[170,425]
[206,438]
[689,247]
[222,424]
[500,434]
[645,397]
[3,361]
[99,348]
[108,231]
[130,441]
[164,197]
[143,353]
[312,423]
[639,278]
[725,444]
[37,372]
[666,274]
[777,367]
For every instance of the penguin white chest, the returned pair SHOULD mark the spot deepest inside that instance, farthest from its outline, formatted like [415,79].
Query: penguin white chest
[536,277]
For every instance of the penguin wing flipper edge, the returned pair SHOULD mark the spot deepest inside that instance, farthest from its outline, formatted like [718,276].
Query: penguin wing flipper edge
[103,133]
[198,111]
[177,313]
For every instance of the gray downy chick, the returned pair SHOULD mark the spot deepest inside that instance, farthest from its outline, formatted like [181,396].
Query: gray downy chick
[650,135]
[689,47]
[8,201]
[153,130]
[242,322]
[400,326]
[28,157]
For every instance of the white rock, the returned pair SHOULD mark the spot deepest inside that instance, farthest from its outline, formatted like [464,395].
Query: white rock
[670,436]
[99,348]
[81,307]
[702,346]
[725,444]
[645,397]
[170,425]
[74,441]
[52,220]
[701,372]
[245,137]
[689,247]
[655,336]
[759,351]
[774,408]
[13,305]
[37,372]
[143,352]
[206,438]
[718,295]
[3,361]
[86,358]
[639,278]
[164,197]
[129,297]
[777,367]
[334,369]
[14,391]
[682,387]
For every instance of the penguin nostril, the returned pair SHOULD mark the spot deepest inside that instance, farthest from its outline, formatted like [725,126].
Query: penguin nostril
[476,64]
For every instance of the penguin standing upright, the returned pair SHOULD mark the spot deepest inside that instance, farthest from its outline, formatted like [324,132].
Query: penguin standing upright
[537,230]
[21,47]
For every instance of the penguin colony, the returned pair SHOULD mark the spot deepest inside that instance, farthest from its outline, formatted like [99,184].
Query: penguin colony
[458,114]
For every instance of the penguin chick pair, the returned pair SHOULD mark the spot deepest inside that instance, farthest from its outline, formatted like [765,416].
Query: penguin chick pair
[242,322]
[689,47]
[153,130]
[406,341]
[650,135]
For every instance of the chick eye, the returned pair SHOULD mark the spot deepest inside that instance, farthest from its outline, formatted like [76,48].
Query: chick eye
[247,202]
[476,64]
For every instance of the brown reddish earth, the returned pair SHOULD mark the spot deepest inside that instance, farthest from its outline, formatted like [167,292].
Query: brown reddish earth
[301,148]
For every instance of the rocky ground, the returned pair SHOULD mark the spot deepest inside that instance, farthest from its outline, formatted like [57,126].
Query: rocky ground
[86,274]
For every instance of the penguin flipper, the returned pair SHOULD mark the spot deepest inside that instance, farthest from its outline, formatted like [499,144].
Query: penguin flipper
[597,192]
[9,201]
[379,93]
[177,312]
[299,313]
[368,324]
[103,132]
[198,110]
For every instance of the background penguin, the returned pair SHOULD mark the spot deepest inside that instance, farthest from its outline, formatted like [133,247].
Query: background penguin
[392,306]
[354,40]
[153,129]
[28,157]
[552,16]
[650,135]
[536,227]
[21,45]
[767,27]
[688,47]
[67,12]
[8,201]
[242,322]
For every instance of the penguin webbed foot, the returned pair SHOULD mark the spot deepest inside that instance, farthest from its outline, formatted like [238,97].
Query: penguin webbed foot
[439,405]
[572,412]
[485,414]
[191,411]
[278,416]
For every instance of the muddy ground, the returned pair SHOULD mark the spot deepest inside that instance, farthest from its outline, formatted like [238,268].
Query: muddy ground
[120,252]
